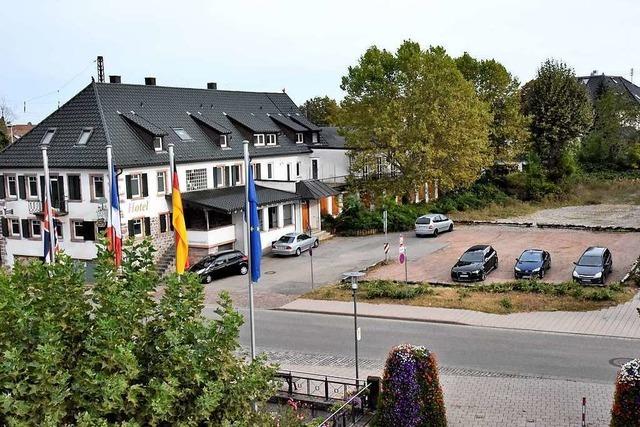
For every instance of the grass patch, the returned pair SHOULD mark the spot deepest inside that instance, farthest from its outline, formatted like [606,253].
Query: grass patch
[501,298]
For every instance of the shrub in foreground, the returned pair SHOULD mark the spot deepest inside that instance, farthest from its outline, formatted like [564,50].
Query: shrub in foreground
[626,401]
[411,394]
[111,354]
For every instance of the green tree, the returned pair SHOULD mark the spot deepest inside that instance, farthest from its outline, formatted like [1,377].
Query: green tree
[321,110]
[560,113]
[614,142]
[414,113]
[111,354]
[4,134]
[509,131]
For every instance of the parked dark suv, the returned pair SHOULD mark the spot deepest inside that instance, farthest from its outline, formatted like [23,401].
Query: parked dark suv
[475,264]
[219,265]
[593,267]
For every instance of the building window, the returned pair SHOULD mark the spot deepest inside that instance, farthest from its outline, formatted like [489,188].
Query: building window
[272,139]
[75,193]
[298,164]
[32,185]
[379,165]
[273,217]
[314,168]
[157,143]
[85,134]
[182,134]
[135,185]
[12,186]
[223,141]
[196,179]
[77,229]
[236,174]
[165,221]
[97,187]
[14,227]
[57,224]
[269,170]
[137,227]
[288,171]
[287,214]
[48,136]
[260,219]
[36,228]
[258,139]
[299,138]
[257,171]
[218,177]
[162,182]
[227,176]
[314,137]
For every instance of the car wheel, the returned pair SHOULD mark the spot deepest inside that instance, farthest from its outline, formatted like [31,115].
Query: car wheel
[208,278]
[244,269]
[298,252]
[497,262]
[451,228]
[484,276]
[316,243]
[435,233]
[542,273]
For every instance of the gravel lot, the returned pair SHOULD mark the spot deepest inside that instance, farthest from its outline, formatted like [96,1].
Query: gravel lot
[565,247]
[591,215]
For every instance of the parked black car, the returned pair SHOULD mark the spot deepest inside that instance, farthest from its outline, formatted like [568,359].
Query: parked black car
[532,263]
[475,264]
[222,264]
[593,267]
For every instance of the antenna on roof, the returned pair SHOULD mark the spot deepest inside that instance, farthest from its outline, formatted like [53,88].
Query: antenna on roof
[631,75]
[100,62]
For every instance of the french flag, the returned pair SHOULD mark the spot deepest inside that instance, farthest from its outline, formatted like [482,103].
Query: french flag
[114,230]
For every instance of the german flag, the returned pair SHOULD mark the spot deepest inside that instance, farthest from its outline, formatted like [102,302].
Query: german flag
[182,243]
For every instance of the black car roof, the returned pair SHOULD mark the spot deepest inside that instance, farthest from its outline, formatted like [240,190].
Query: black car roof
[477,248]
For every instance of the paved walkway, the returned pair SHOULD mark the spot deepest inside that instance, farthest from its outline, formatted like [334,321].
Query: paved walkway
[619,321]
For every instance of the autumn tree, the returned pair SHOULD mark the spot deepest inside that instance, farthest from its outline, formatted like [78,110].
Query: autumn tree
[509,130]
[321,110]
[415,114]
[4,134]
[561,113]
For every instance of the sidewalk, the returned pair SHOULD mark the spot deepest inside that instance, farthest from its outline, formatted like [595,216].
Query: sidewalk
[619,321]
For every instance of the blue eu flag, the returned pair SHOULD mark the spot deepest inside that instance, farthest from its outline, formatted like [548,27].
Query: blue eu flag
[254,230]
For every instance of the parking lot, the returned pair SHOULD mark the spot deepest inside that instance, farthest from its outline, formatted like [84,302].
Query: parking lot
[565,247]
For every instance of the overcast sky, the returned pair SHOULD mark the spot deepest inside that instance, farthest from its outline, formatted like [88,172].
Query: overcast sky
[49,47]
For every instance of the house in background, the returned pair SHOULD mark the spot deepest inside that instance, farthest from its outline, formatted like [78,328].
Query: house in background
[595,83]
[17,131]
[298,170]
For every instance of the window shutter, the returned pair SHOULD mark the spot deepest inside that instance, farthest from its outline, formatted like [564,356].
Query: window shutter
[147,226]
[163,223]
[2,191]
[145,185]
[171,221]
[26,230]
[130,224]
[5,227]
[22,188]
[61,192]
[128,185]
[43,190]
[89,230]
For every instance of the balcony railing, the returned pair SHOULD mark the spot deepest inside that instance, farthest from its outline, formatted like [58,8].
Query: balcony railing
[37,207]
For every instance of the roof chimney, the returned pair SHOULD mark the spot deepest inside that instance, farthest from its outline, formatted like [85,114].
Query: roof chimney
[115,79]
[150,81]
[594,73]
[212,85]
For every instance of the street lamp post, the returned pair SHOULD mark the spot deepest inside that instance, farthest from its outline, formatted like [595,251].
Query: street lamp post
[353,275]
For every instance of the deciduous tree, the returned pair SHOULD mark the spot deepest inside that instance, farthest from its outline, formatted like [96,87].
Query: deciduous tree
[321,110]
[560,113]
[414,113]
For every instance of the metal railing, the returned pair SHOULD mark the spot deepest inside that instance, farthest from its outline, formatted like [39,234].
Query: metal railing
[352,411]
[304,384]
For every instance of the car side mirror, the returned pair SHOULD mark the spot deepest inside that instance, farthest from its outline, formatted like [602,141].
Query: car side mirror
[517,259]
[575,263]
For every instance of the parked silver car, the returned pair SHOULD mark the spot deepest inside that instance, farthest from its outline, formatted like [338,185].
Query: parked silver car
[294,244]
[433,224]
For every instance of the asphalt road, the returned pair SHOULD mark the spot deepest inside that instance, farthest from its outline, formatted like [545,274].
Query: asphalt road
[577,357]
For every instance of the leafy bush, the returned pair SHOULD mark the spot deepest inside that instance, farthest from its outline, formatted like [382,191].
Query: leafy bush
[531,184]
[626,410]
[411,394]
[478,196]
[557,289]
[506,304]
[112,354]
[392,290]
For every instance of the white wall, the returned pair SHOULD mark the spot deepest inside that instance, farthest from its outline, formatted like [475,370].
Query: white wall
[331,162]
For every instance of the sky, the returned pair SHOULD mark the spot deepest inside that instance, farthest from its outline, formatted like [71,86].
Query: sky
[49,47]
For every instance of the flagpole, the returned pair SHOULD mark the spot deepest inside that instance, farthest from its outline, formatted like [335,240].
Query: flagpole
[171,163]
[47,190]
[247,245]
[110,178]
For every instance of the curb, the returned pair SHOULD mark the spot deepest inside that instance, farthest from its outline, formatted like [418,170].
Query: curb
[601,228]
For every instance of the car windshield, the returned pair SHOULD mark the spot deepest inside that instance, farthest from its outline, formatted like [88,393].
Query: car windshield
[205,262]
[590,261]
[423,220]
[286,239]
[476,256]
[531,257]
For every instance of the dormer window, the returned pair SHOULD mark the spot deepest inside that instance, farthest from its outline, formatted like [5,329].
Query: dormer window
[157,143]
[272,139]
[314,138]
[84,136]
[48,136]
[182,134]
[299,138]
[223,141]
[258,139]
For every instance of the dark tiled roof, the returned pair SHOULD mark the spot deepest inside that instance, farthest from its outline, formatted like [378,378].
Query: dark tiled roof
[209,122]
[313,189]
[620,85]
[257,123]
[98,104]
[232,199]
[145,124]
[284,120]
[329,137]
